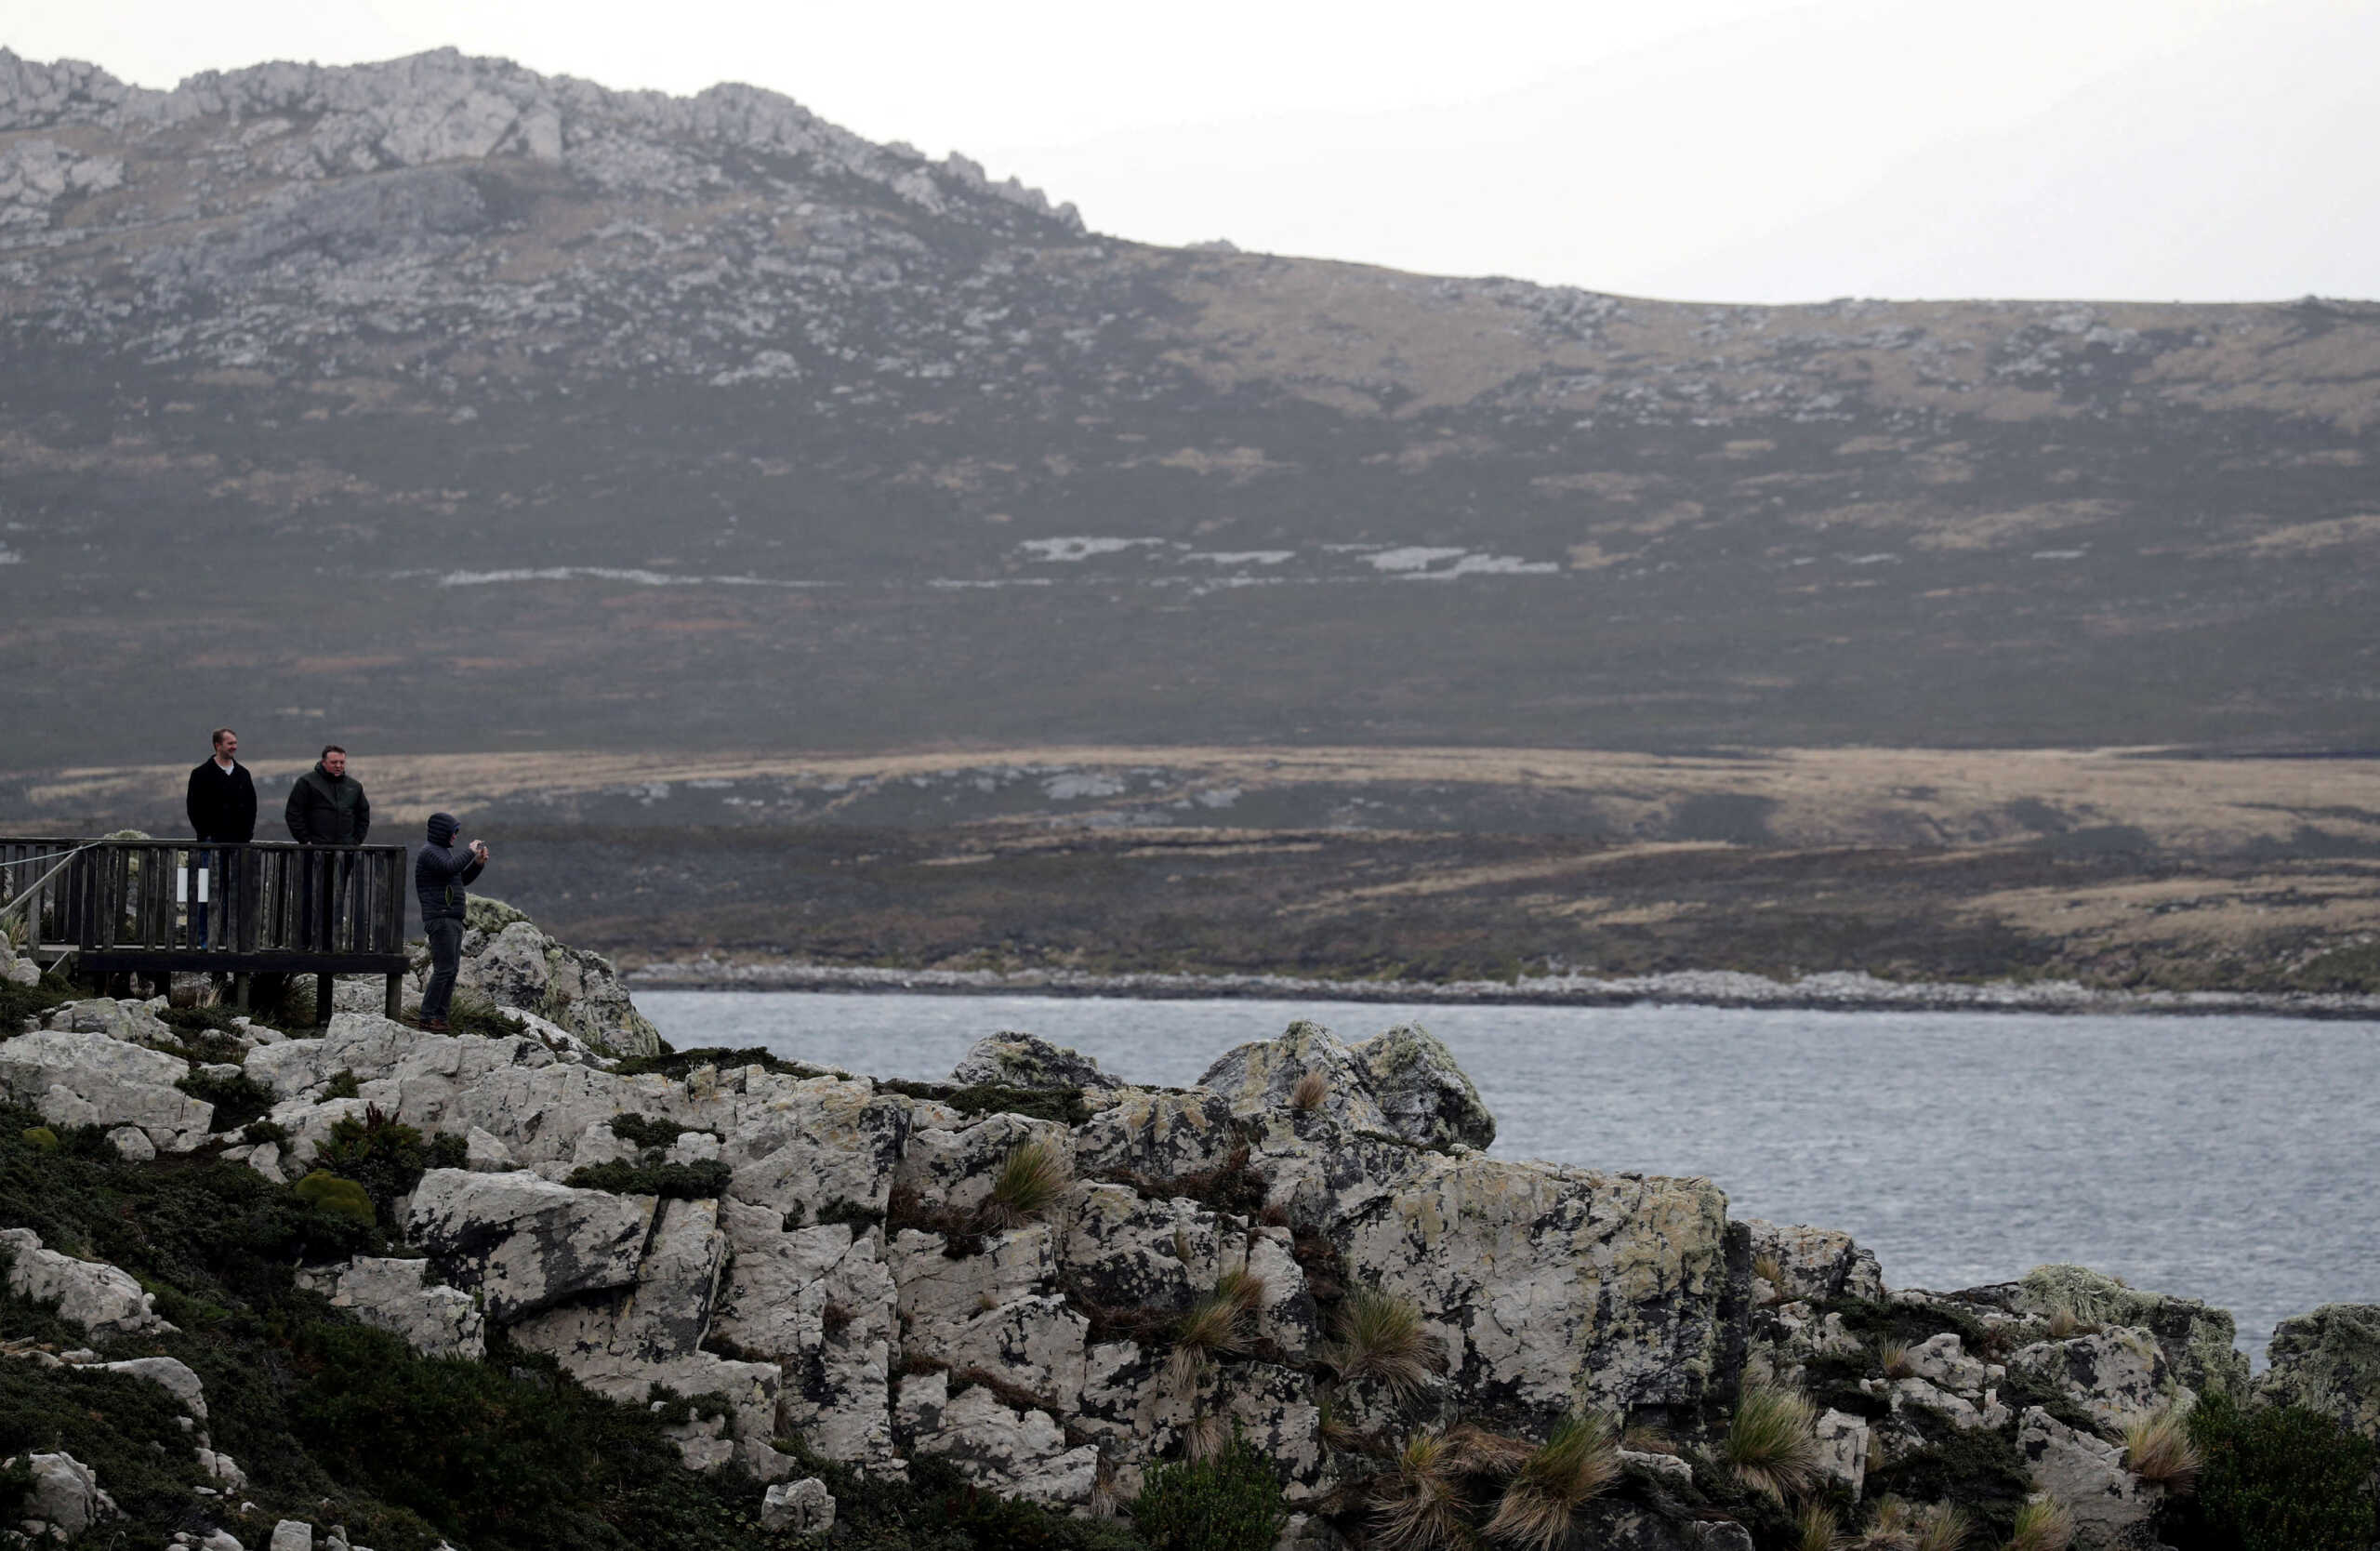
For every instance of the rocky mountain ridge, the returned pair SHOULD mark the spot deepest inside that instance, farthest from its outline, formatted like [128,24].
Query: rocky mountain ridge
[439,394]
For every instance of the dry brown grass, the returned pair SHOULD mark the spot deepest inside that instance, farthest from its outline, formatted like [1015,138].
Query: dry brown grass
[1770,1269]
[2158,1448]
[1577,1462]
[1893,1356]
[1771,1443]
[1816,1528]
[2042,1524]
[1311,1090]
[1380,1337]
[1032,1177]
[1417,1503]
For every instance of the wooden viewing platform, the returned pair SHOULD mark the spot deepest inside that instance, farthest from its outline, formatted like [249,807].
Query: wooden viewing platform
[131,907]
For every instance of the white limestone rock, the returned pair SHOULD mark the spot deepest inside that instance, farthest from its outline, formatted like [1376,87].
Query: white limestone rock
[1818,1264]
[1424,1096]
[2199,1342]
[1553,1287]
[522,967]
[65,1495]
[820,1302]
[133,1022]
[1157,1136]
[956,1169]
[2111,1507]
[1019,1453]
[2117,1375]
[292,1535]
[998,1310]
[173,1375]
[132,1144]
[103,1299]
[803,1508]
[1026,1061]
[393,1295]
[84,1077]
[1939,1360]
[1842,1449]
[1265,1076]
[524,1244]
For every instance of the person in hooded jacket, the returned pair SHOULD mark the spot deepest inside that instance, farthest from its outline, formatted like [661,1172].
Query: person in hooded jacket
[326,807]
[440,872]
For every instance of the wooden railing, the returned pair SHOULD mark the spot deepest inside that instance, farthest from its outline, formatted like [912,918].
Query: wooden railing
[151,906]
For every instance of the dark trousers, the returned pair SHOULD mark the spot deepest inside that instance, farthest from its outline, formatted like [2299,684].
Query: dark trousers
[445,958]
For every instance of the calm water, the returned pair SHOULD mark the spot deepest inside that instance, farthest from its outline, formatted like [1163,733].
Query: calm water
[2228,1159]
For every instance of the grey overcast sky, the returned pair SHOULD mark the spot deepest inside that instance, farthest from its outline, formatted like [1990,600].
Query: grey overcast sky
[1722,150]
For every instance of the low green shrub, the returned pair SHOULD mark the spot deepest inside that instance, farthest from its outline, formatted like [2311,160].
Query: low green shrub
[646,1131]
[1229,1503]
[1981,1470]
[342,1085]
[470,1013]
[237,1097]
[19,1002]
[331,1193]
[1063,1105]
[39,1137]
[2282,1479]
[677,1181]
[677,1064]
[258,1133]
[386,1157]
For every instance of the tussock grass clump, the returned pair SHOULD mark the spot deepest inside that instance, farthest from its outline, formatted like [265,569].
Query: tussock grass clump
[1478,1452]
[1771,1443]
[2043,1525]
[1217,1325]
[1892,1355]
[1311,1090]
[1380,1337]
[1816,1528]
[1417,1503]
[2065,1324]
[1031,1179]
[1944,1527]
[2158,1448]
[1579,1460]
[1645,1438]
[1770,1269]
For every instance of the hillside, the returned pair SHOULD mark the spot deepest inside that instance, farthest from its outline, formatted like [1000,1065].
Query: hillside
[445,405]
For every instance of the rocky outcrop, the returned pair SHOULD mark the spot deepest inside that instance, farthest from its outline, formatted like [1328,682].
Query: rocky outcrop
[524,1244]
[1026,1061]
[2198,1341]
[521,967]
[1403,1083]
[79,1077]
[98,1297]
[2111,1507]
[1815,1263]
[2116,1376]
[1425,1096]
[395,1295]
[64,1499]
[2329,1361]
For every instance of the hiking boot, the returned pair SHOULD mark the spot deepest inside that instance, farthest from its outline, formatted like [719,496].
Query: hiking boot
[437,1026]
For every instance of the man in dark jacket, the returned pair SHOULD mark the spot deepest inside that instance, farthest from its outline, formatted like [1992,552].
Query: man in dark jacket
[326,807]
[439,873]
[222,810]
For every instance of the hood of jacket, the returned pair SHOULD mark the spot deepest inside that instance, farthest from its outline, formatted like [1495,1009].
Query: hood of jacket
[443,827]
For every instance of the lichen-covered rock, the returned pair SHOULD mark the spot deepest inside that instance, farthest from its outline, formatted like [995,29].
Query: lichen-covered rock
[820,1302]
[1265,1076]
[1000,1310]
[2111,1507]
[1128,1254]
[1425,1096]
[524,1244]
[1940,1360]
[98,1296]
[393,1295]
[1554,1288]
[171,1375]
[1842,1449]
[1027,1061]
[64,1496]
[1157,1136]
[520,966]
[131,1021]
[803,1508]
[2199,1341]
[2117,1375]
[955,1169]
[1817,1264]
[2329,1361]
[78,1077]
[1018,1452]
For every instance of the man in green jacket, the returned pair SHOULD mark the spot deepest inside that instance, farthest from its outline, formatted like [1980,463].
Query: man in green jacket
[326,807]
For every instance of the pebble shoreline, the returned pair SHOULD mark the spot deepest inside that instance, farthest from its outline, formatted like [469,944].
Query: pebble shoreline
[1835,990]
